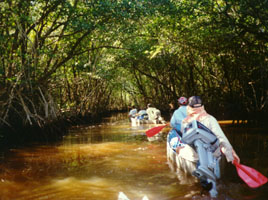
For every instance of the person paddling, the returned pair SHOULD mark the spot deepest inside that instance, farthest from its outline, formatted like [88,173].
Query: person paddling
[175,134]
[179,115]
[133,112]
[154,115]
[196,111]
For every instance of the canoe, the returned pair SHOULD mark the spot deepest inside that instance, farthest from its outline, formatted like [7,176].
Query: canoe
[186,161]
[158,137]
[199,155]
[135,121]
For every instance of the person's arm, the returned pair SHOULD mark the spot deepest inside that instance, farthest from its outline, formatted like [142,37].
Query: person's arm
[236,157]
[176,118]
[225,145]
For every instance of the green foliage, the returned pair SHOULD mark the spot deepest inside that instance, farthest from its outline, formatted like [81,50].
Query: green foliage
[92,56]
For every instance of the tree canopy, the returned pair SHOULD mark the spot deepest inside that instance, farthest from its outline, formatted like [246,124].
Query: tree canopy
[88,56]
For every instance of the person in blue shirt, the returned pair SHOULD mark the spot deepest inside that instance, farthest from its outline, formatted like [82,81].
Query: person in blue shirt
[179,114]
[175,134]
[141,116]
[133,112]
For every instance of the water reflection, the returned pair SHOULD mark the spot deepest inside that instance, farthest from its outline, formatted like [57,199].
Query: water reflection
[97,162]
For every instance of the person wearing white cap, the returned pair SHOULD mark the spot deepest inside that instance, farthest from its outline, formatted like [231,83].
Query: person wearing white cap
[196,111]
[154,115]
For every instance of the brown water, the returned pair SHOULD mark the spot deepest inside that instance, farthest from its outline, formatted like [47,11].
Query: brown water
[98,162]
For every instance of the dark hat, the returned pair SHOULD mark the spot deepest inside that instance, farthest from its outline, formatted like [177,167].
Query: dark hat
[195,102]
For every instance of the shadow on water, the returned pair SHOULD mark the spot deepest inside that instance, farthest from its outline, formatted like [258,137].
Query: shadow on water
[97,162]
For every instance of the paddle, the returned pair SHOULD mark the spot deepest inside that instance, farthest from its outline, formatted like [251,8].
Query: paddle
[153,131]
[250,176]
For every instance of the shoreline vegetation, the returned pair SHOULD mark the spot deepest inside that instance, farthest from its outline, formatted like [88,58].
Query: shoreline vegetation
[54,131]
[51,132]
[63,62]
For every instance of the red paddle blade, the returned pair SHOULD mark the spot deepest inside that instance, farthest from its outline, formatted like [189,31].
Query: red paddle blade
[250,176]
[153,131]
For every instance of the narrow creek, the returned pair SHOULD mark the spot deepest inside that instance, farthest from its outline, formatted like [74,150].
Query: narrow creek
[97,162]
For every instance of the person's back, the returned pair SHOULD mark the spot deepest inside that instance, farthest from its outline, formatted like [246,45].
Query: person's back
[196,111]
[175,122]
[154,114]
[141,116]
[133,112]
[150,112]
[142,112]
[179,114]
